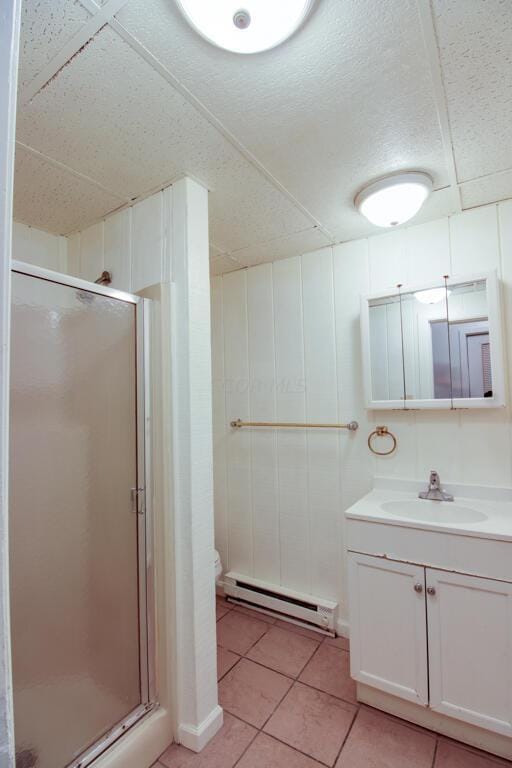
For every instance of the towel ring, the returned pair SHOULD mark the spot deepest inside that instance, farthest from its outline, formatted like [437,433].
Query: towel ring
[382,432]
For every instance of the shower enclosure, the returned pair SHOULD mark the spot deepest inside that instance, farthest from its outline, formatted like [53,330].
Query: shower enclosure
[81,575]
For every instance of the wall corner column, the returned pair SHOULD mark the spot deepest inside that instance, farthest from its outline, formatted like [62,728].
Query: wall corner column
[198,715]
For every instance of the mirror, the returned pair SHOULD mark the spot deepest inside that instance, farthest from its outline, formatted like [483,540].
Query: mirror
[424,316]
[435,346]
[386,349]
[470,345]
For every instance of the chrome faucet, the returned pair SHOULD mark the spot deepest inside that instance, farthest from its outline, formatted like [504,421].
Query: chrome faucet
[434,491]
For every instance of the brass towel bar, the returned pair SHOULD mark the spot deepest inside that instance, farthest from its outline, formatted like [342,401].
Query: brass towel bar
[352,425]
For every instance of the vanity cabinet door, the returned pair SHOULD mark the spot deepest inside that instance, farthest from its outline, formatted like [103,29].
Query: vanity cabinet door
[470,649]
[388,634]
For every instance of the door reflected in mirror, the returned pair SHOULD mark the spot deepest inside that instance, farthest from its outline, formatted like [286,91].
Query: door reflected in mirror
[470,347]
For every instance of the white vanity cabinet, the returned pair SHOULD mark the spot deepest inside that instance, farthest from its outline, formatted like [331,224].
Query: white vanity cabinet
[469,623]
[388,639]
[433,637]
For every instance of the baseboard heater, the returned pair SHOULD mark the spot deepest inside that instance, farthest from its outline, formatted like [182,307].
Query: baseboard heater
[307,610]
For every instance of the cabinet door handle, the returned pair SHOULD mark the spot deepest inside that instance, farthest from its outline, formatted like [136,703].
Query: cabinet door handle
[418,588]
[431,590]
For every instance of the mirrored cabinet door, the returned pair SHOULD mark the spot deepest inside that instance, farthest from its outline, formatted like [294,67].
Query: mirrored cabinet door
[387,382]
[437,346]
[470,346]
[425,334]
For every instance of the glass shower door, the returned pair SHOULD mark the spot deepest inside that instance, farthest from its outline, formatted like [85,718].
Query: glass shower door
[77,603]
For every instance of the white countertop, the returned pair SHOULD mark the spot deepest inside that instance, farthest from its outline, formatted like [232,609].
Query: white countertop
[495,503]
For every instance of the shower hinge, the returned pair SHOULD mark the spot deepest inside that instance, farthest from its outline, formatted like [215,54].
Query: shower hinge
[138,500]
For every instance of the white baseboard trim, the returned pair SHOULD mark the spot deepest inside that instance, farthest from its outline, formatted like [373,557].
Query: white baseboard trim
[343,628]
[196,737]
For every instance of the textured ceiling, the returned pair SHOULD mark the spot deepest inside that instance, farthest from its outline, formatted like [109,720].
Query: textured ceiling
[119,99]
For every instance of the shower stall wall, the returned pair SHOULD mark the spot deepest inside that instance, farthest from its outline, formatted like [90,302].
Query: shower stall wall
[81,575]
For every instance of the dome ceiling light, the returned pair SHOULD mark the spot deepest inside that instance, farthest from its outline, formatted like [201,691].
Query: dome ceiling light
[394,199]
[245,26]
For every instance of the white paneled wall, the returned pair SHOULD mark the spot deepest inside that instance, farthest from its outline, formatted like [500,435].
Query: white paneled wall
[33,246]
[286,346]
[131,244]
[277,356]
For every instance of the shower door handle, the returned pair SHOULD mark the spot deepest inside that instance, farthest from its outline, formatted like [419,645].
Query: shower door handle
[138,500]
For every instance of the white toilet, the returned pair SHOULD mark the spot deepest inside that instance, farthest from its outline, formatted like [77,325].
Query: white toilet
[217,566]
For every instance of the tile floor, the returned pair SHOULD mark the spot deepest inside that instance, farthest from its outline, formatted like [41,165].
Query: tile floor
[289,702]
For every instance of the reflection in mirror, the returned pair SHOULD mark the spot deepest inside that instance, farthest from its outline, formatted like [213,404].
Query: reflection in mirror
[424,316]
[470,349]
[438,346]
[387,381]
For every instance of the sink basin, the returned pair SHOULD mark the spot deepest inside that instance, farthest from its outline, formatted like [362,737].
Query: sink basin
[433,511]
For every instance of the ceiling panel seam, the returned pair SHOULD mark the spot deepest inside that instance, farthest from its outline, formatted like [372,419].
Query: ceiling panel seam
[220,252]
[272,240]
[157,65]
[72,47]
[67,169]
[441,102]
[225,256]
[486,205]
[91,6]
[486,176]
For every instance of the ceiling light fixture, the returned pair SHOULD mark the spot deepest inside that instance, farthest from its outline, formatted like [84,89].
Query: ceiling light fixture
[245,26]
[432,295]
[394,199]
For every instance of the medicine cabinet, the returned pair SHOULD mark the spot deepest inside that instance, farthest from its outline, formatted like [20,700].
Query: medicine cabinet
[434,346]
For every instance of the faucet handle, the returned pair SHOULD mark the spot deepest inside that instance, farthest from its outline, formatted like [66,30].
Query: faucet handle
[434,491]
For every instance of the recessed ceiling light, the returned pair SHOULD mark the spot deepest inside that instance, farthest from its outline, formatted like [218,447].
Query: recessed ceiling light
[432,295]
[245,26]
[394,199]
